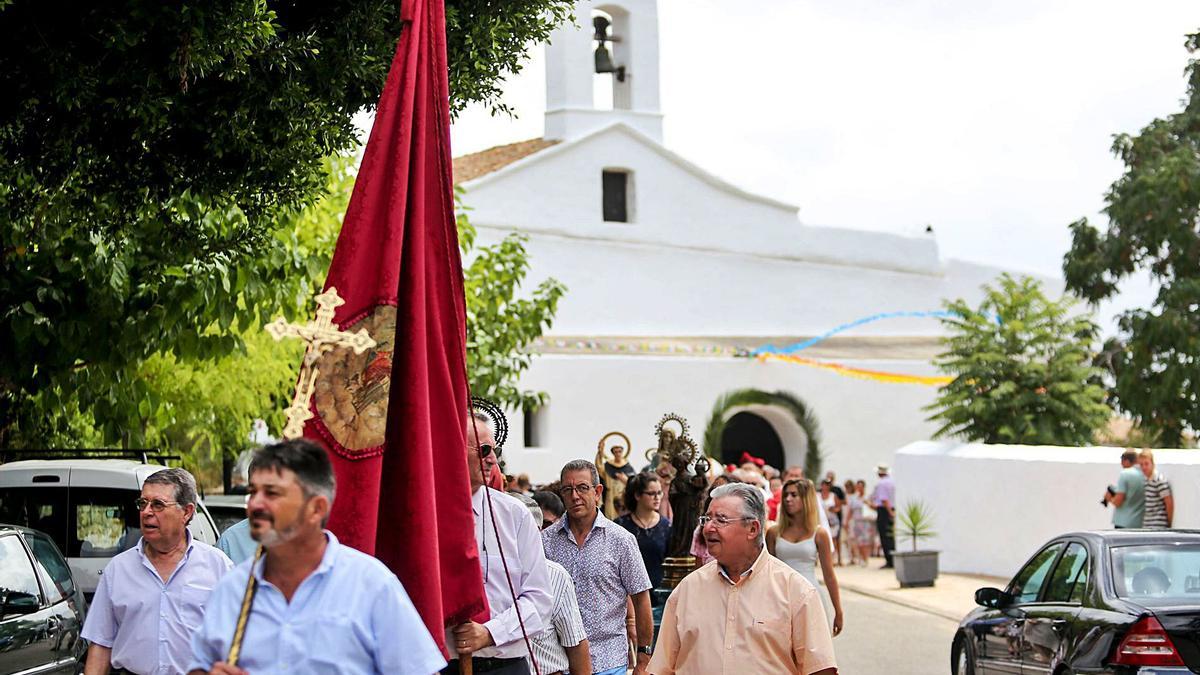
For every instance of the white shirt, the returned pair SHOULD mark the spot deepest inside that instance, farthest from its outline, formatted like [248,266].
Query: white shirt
[567,629]
[526,565]
[147,623]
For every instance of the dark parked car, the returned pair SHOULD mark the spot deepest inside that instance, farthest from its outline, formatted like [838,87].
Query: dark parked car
[1118,602]
[41,608]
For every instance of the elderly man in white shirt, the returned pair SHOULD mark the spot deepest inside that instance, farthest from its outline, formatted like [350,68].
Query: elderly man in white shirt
[499,645]
[152,597]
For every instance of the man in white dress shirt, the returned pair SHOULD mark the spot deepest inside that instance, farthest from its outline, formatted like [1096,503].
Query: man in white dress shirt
[499,645]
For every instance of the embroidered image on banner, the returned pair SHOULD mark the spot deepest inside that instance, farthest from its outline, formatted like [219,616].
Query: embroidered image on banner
[351,394]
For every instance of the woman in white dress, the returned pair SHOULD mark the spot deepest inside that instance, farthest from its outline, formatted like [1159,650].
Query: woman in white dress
[799,540]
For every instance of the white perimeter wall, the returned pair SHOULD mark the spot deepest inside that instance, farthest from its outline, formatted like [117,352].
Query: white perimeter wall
[862,422]
[994,505]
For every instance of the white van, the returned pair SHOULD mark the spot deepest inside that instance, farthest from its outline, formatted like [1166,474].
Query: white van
[86,506]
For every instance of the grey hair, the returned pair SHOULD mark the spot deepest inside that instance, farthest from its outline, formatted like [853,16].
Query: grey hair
[753,504]
[580,465]
[184,484]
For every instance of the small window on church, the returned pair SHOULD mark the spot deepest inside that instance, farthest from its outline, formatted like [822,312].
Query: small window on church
[617,191]
[534,418]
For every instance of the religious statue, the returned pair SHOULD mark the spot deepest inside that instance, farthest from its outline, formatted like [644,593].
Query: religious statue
[615,471]
[686,492]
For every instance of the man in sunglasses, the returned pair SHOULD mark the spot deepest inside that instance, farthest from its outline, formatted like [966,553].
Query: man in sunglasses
[498,645]
[151,598]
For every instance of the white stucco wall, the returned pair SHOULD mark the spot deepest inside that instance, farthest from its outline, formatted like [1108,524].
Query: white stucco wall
[994,505]
[558,191]
[861,422]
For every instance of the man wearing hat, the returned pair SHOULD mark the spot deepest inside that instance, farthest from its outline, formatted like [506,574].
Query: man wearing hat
[883,498]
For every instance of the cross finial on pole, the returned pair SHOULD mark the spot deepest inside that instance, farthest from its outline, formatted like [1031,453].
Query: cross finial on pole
[321,335]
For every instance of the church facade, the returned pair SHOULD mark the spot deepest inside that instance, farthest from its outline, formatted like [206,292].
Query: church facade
[676,279]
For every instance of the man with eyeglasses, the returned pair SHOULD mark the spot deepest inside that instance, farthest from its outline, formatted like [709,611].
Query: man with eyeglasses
[498,645]
[152,597]
[746,611]
[604,562]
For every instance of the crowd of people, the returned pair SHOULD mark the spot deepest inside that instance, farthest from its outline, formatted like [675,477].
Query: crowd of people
[568,588]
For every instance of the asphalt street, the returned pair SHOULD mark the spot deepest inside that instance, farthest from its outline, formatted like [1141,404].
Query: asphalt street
[883,638]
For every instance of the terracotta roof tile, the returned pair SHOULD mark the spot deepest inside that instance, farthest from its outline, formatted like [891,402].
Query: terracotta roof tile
[476,164]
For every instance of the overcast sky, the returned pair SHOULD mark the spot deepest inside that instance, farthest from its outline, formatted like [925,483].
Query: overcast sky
[990,121]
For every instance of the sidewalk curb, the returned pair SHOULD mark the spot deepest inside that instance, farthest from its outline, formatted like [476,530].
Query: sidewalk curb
[897,601]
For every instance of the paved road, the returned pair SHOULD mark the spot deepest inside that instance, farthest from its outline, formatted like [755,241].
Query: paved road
[883,638]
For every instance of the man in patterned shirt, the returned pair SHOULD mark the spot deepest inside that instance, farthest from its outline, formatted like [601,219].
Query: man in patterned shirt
[603,561]
[563,647]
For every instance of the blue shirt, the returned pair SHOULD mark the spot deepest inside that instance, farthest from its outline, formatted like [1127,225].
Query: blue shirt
[147,623]
[237,543]
[350,616]
[1131,483]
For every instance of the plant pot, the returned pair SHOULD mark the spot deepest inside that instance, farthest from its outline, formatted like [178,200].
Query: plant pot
[916,569]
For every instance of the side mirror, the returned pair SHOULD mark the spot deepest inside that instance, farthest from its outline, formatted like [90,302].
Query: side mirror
[19,603]
[993,598]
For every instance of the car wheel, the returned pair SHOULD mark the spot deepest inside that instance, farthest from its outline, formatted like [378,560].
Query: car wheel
[963,656]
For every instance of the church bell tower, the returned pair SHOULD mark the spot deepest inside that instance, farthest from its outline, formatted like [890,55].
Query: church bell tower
[604,70]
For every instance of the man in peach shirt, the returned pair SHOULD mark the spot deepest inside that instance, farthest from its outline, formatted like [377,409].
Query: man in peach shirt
[746,611]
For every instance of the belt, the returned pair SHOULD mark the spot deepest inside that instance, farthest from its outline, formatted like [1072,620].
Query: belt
[483,665]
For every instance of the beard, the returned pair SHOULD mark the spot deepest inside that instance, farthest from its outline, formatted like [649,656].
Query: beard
[273,536]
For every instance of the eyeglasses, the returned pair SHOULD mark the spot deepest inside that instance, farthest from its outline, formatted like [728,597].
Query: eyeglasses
[485,450]
[156,505]
[580,489]
[656,493]
[721,521]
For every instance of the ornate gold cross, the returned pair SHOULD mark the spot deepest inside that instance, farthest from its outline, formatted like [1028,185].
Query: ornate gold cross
[321,335]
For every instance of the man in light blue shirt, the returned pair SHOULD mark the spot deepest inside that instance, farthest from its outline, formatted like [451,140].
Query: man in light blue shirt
[237,543]
[153,596]
[1129,496]
[320,607]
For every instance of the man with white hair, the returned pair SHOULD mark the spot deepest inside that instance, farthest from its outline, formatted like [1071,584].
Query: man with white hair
[746,611]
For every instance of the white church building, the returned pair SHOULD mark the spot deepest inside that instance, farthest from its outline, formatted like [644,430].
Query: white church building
[674,275]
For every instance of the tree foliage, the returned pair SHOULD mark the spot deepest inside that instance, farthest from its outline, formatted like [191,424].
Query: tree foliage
[1154,225]
[1022,370]
[202,408]
[149,153]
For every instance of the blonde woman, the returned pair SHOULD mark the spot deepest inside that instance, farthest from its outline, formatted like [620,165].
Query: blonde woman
[799,540]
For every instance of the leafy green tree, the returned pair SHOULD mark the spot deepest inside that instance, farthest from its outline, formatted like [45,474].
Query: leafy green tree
[202,408]
[1022,370]
[148,154]
[1153,211]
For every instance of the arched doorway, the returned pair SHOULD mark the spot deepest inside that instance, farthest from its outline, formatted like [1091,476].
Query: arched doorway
[794,439]
[748,432]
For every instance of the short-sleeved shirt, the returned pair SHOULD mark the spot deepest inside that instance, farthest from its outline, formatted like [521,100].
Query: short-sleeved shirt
[148,624]
[652,543]
[606,570]
[1155,517]
[885,490]
[566,624]
[351,616]
[237,543]
[1131,482]
[770,620]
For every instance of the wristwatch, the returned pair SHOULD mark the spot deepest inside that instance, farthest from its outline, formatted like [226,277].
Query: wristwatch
[647,650]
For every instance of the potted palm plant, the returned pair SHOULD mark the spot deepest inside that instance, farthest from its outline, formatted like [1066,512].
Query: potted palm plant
[916,567]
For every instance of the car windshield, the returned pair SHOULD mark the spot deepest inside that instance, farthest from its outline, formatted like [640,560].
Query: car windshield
[1157,574]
